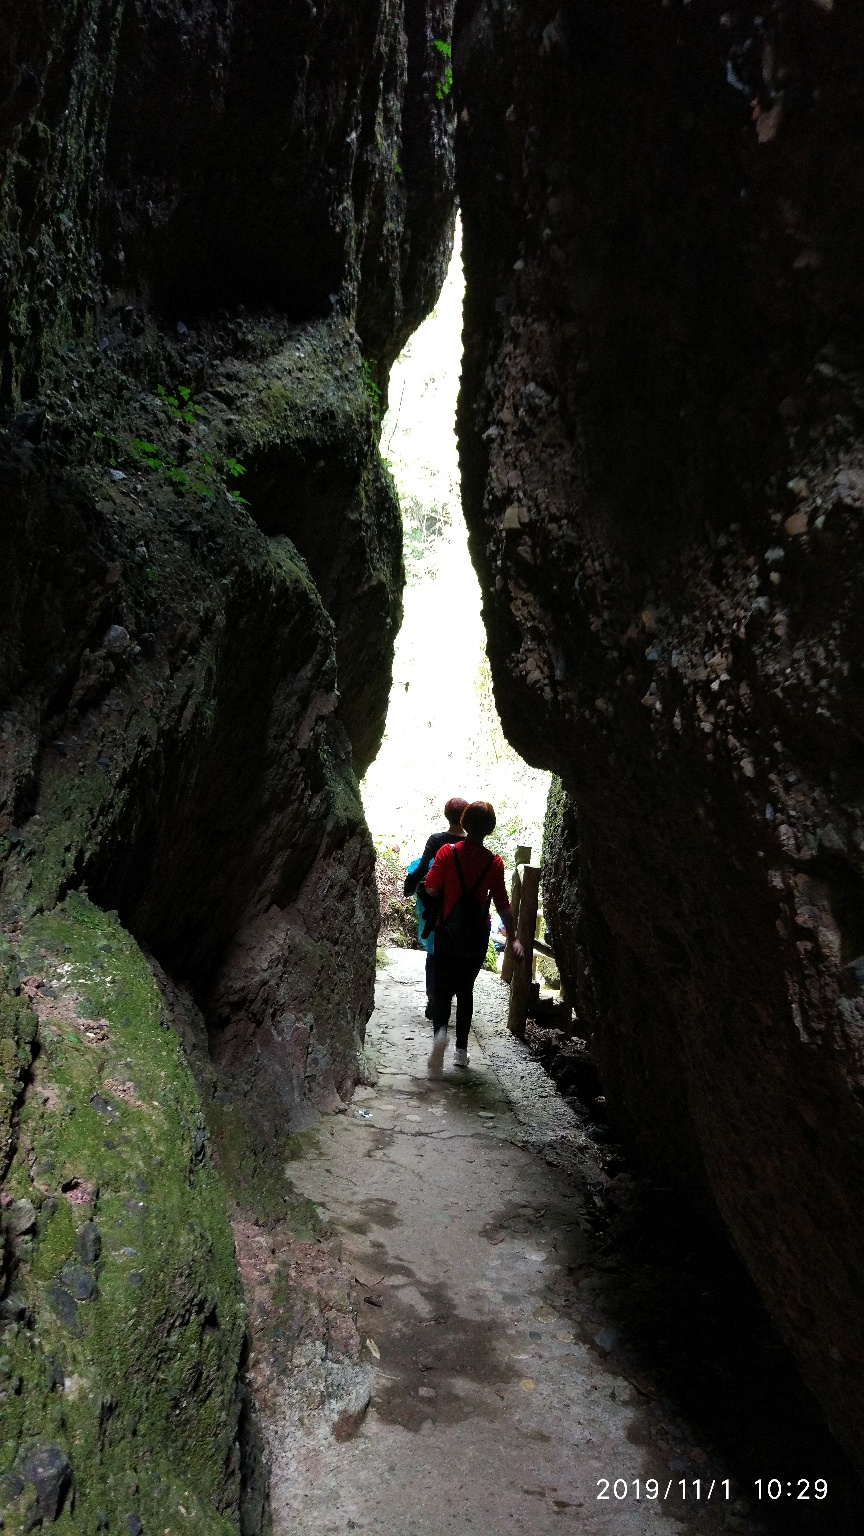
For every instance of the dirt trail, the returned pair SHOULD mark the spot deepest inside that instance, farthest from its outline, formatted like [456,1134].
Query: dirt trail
[496,1402]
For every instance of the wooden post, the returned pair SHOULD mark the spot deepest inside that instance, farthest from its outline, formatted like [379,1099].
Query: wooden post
[522,856]
[515,897]
[534,942]
[520,988]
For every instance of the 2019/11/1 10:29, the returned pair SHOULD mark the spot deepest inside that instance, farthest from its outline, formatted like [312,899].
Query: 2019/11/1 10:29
[771,1488]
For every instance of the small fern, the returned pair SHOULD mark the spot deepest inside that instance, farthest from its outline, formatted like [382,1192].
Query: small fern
[444,86]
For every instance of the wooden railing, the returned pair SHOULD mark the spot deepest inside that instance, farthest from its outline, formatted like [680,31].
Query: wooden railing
[519,974]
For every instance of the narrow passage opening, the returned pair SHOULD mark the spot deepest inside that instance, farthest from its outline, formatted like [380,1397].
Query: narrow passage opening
[443,733]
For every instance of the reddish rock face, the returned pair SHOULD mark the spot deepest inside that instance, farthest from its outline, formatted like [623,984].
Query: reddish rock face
[661,443]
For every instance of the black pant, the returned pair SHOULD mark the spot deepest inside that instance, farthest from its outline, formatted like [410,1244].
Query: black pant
[455,975]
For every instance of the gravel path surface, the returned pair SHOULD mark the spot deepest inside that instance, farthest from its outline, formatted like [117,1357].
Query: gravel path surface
[496,1405]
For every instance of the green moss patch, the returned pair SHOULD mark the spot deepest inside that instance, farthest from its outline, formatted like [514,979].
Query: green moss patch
[122,1341]
[253,1169]
[17,1034]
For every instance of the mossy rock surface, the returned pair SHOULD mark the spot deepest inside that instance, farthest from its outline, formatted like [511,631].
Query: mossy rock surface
[17,1034]
[125,1324]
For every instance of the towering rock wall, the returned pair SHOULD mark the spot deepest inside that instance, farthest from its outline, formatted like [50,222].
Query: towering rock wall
[661,422]
[219,223]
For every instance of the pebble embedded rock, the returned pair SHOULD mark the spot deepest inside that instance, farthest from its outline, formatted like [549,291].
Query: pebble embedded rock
[21,1217]
[79,1281]
[46,1465]
[116,640]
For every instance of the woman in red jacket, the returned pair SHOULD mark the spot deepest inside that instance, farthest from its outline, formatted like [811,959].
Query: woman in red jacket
[469,876]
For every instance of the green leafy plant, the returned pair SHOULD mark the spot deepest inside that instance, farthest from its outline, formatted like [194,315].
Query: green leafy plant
[445,85]
[149,456]
[424,529]
[180,404]
[235,469]
[398,913]
[148,453]
[206,472]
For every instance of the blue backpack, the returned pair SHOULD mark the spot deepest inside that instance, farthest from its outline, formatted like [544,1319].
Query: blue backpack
[425,934]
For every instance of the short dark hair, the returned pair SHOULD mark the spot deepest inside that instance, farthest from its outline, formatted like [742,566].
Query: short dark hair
[454,808]
[479,818]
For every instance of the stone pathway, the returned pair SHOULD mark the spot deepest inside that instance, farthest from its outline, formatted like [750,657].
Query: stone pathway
[496,1402]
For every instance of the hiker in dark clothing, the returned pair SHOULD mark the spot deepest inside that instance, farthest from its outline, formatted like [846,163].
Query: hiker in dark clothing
[417,873]
[469,876]
[454,834]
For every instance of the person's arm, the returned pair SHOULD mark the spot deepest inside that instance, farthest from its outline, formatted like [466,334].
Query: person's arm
[434,881]
[412,881]
[517,949]
[504,909]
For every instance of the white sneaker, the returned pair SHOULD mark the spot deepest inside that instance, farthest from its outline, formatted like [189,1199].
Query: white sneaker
[436,1055]
[460,1058]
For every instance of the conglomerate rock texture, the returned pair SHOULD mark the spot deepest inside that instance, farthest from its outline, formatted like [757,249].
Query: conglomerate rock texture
[219,222]
[661,437]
